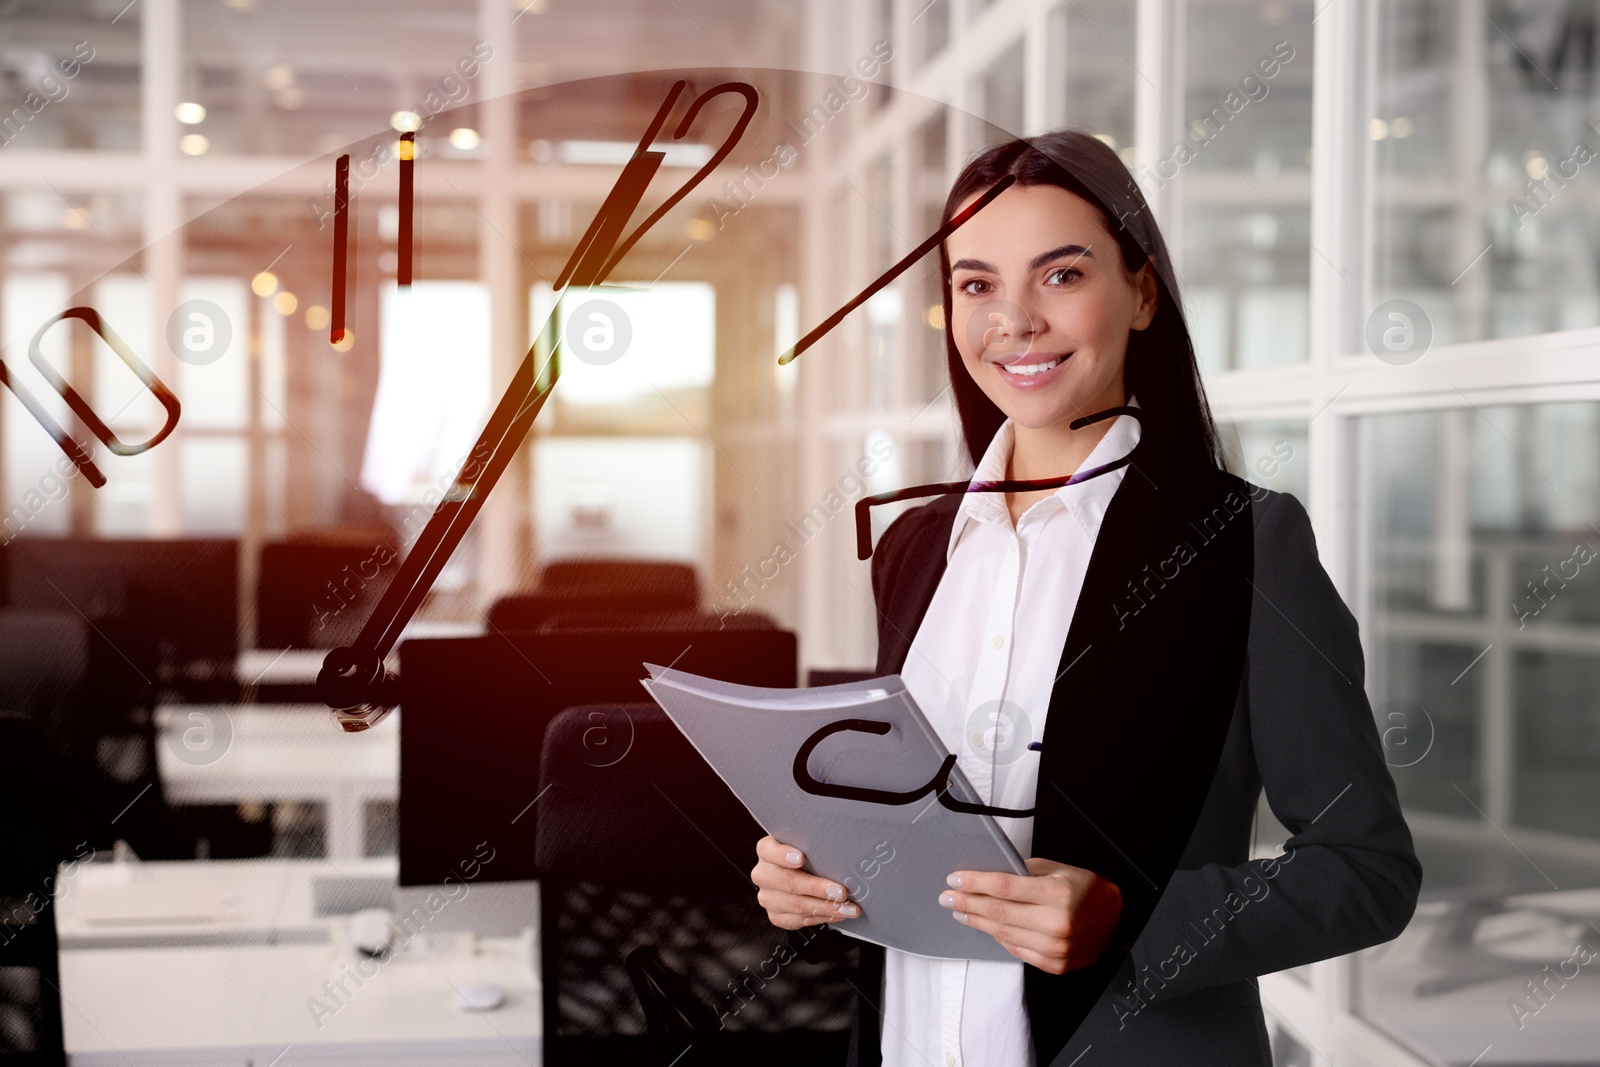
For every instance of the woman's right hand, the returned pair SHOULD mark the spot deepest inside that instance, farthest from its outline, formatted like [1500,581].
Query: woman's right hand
[792,897]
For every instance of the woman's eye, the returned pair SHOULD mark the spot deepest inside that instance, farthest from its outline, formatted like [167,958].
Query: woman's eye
[1063,276]
[976,287]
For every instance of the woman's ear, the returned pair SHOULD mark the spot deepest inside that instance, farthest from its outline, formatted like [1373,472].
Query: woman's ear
[1149,296]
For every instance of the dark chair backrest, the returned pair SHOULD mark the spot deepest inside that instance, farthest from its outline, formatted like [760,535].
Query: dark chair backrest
[44,657]
[316,592]
[651,938]
[30,849]
[600,585]
[475,711]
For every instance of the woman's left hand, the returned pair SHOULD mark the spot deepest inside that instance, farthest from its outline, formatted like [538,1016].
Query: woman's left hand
[1058,920]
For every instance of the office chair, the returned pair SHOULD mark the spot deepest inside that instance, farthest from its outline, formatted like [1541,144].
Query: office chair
[30,849]
[97,727]
[599,585]
[652,944]
[316,590]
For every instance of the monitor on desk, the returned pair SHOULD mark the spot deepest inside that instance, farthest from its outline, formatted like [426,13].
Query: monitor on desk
[473,718]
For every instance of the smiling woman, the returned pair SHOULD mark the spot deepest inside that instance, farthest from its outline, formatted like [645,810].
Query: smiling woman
[1155,725]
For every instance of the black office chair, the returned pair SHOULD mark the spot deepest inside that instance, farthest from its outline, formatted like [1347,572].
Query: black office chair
[30,848]
[600,585]
[652,945]
[316,590]
[102,742]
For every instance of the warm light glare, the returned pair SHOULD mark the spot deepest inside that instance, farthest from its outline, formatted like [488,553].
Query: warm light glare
[347,342]
[934,316]
[465,138]
[285,303]
[406,148]
[194,144]
[406,121]
[1378,129]
[317,317]
[190,113]
[1402,127]
[700,229]
[1535,165]
[278,77]
[75,218]
[264,284]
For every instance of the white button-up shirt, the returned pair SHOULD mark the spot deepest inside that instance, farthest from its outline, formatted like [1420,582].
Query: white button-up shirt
[982,668]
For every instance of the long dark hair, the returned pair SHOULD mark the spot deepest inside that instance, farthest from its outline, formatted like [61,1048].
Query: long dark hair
[1161,369]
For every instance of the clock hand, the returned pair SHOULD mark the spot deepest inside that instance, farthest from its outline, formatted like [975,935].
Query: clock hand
[956,222]
[353,681]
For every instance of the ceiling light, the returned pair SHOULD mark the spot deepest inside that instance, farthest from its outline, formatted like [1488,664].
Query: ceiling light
[264,284]
[317,317]
[406,121]
[285,303]
[465,138]
[190,113]
[194,144]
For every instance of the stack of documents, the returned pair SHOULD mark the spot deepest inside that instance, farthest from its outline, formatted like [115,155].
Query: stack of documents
[852,775]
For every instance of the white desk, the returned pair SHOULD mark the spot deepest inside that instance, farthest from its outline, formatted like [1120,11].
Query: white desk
[211,902]
[159,996]
[231,754]
[253,1005]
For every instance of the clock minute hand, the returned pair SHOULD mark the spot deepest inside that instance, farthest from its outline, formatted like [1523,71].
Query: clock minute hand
[354,682]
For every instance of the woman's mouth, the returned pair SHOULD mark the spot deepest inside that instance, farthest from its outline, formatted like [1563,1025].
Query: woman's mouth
[1034,370]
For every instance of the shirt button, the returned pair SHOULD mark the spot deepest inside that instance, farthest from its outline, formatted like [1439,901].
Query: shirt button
[1011,549]
[997,640]
[949,1058]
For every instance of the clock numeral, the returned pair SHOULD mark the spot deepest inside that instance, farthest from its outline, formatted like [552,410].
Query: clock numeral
[341,245]
[75,451]
[408,155]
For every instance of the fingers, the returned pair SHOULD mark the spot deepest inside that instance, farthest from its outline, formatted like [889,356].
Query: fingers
[805,911]
[1047,954]
[1032,890]
[776,871]
[1048,923]
[775,851]
[794,898]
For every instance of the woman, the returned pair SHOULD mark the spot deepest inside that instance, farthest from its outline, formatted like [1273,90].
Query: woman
[1163,632]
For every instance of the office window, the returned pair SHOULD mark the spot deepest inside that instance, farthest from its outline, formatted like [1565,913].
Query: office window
[1485,616]
[635,497]
[433,388]
[1000,92]
[1483,154]
[1270,454]
[70,80]
[1242,159]
[637,341]
[30,453]
[1096,80]
[263,87]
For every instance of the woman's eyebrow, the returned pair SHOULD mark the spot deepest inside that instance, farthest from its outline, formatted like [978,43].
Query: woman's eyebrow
[1080,251]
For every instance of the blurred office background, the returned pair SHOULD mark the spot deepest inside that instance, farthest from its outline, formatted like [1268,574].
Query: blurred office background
[1389,251]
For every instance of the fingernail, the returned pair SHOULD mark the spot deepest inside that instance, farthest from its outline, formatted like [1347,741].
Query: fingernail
[960,916]
[954,881]
[834,892]
[793,857]
[947,900]
[849,911]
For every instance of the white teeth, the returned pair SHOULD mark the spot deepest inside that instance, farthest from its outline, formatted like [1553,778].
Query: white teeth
[1031,368]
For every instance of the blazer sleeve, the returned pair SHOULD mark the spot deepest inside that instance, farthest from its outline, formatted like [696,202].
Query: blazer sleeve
[1348,877]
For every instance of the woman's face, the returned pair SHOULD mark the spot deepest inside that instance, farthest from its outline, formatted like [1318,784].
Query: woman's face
[1041,305]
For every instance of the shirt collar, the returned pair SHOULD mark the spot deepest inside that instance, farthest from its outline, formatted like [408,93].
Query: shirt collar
[1086,502]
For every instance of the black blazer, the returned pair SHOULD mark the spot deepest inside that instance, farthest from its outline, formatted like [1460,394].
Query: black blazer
[1209,655]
